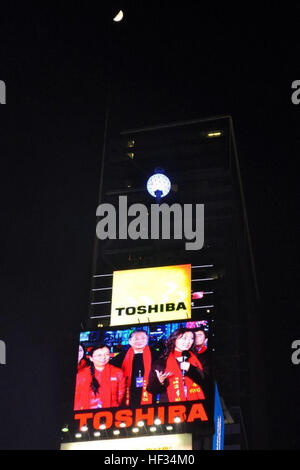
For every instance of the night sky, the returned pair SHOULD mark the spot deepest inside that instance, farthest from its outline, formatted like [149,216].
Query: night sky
[165,64]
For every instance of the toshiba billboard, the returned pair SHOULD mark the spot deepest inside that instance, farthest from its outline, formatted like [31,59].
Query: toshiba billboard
[151,295]
[155,372]
[162,442]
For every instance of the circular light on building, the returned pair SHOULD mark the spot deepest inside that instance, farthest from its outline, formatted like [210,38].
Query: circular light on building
[135,430]
[78,435]
[116,432]
[122,425]
[153,429]
[157,421]
[102,426]
[97,434]
[158,185]
[140,424]
[169,428]
[65,429]
[177,419]
[84,428]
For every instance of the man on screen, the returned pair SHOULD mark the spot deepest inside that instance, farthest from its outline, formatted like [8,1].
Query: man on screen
[178,375]
[201,340]
[200,348]
[136,365]
[101,385]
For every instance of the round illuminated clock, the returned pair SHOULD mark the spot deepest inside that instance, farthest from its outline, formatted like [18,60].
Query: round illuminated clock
[158,185]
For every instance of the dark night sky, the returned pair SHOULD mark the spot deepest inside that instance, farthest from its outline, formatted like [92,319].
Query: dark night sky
[168,65]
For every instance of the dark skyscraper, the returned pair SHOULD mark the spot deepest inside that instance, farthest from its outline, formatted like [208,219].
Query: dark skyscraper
[200,158]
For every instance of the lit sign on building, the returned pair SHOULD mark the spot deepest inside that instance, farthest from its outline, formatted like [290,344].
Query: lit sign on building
[167,414]
[151,295]
[163,442]
[218,439]
[144,373]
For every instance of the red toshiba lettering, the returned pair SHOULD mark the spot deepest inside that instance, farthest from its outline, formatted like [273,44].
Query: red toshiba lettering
[148,416]
[83,417]
[177,411]
[161,414]
[197,412]
[124,416]
[105,416]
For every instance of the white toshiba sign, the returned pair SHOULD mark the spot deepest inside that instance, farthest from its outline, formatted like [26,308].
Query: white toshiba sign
[151,294]
[162,442]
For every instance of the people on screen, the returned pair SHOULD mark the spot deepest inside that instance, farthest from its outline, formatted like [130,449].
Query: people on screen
[200,340]
[201,349]
[101,385]
[136,364]
[82,359]
[178,374]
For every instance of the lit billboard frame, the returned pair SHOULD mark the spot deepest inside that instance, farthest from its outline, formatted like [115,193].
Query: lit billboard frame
[149,295]
[163,442]
[185,413]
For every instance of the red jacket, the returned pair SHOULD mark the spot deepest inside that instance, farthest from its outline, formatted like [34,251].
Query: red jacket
[201,349]
[110,393]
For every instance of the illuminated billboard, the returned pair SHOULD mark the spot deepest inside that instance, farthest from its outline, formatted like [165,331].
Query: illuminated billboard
[151,295]
[218,439]
[162,442]
[158,371]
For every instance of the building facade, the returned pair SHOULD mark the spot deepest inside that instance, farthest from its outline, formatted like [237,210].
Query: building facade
[200,159]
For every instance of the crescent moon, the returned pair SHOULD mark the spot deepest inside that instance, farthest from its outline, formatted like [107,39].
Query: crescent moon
[119,16]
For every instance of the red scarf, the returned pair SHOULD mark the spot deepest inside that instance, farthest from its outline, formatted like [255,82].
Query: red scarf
[202,349]
[104,393]
[81,365]
[127,369]
[175,390]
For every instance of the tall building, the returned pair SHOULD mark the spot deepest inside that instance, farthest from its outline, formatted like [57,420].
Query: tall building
[200,159]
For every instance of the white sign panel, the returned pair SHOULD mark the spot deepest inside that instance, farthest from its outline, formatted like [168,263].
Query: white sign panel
[162,442]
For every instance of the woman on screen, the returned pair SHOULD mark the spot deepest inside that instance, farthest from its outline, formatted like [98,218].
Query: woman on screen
[178,374]
[101,385]
[82,359]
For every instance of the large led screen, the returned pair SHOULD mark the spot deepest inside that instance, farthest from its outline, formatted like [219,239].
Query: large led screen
[132,373]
